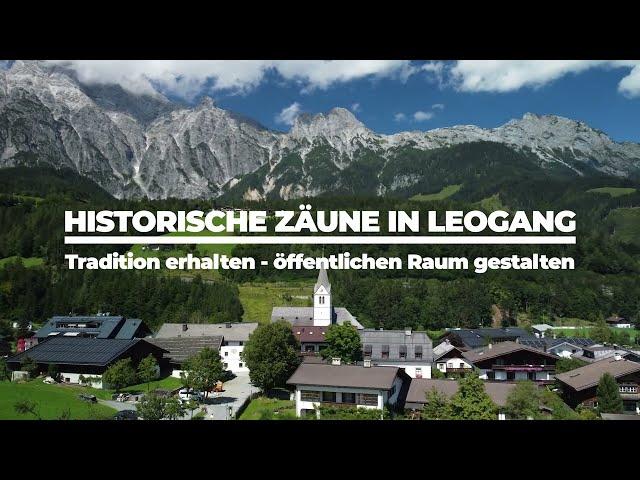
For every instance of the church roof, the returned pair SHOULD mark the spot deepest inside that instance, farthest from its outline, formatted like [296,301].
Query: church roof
[303,316]
[323,280]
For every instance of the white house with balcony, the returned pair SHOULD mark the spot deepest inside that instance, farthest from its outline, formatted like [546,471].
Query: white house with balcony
[365,386]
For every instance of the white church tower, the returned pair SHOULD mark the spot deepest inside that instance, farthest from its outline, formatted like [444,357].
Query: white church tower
[322,300]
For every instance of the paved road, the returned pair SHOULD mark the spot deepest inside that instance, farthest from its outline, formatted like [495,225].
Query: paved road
[235,393]
[119,406]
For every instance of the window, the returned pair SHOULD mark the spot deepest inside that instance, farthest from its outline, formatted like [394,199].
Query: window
[385,351]
[449,364]
[309,396]
[226,354]
[368,399]
[226,365]
[329,397]
[367,350]
[240,365]
[402,352]
[348,397]
[418,352]
[321,300]
[240,343]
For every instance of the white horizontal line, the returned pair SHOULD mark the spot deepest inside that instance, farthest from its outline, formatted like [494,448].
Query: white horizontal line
[322,240]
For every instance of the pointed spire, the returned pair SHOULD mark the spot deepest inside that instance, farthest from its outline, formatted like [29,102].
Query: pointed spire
[323,280]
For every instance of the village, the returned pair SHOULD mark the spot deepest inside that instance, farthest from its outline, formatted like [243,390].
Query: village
[320,362]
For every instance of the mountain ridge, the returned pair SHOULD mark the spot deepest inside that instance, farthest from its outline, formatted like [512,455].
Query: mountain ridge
[152,147]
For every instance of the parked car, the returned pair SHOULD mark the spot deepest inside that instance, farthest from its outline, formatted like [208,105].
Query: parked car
[49,381]
[88,398]
[126,415]
[186,394]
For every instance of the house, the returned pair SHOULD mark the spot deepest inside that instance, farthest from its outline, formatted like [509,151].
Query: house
[84,356]
[513,361]
[410,350]
[346,385]
[481,337]
[180,349]
[26,343]
[95,326]
[450,359]
[234,337]
[563,347]
[618,322]
[579,386]
[597,352]
[416,397]
[309,324]
[540,330]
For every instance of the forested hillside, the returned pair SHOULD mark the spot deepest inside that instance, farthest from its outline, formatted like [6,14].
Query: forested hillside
[607,254]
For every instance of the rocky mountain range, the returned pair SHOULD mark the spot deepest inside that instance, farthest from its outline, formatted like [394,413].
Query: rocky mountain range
[147,145]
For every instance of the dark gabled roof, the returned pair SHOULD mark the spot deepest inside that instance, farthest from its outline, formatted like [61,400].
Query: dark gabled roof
[312,374]
[105,327]
[395,341]
[182,348]
[589,375]
[79,351]
[130,328]
[479,337]
[542,343]
[502,348]
[497,391]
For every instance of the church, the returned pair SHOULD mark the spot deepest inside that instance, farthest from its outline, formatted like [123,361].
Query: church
[310,324]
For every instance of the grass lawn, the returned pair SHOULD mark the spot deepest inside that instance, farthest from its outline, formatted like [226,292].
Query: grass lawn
[626,223]
[263,408]
[584,332]
[27,262]
[613,191]
[258,299]
[446,192]
[52,401]
[491,203]
[167,383]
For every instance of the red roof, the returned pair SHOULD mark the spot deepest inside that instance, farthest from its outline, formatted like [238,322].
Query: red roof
[309,334]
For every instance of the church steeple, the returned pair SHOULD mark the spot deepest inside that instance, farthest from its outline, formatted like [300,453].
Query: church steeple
[322,300]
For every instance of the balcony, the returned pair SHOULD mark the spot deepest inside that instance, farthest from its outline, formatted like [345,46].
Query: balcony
[524,368]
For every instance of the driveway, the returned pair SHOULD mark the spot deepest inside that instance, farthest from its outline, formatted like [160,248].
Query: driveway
[224,405]
[119,406]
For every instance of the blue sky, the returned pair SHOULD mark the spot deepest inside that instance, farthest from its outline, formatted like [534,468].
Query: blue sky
[393,95]
[591,96]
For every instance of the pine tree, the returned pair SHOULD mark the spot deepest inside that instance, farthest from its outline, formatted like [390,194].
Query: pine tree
[608,392]
[471,402]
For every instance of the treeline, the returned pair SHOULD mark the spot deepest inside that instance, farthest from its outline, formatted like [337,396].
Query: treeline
[35,294]
[471,302]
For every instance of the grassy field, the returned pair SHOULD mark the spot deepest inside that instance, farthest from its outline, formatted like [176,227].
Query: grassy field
[258,299]
[167,383]
[626,222]
[52,401]
[491,203]
[263,408]
[613,191]
[441,195]
[27,262]
[584,332]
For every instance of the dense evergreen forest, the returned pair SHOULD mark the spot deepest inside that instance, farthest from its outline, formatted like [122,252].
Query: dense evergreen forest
[606,280]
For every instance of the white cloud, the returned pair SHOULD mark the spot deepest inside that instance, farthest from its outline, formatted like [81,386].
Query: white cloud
[511,75]
[355,107]
[288,114]
[437,106]
[630,85]
[399,117]
[188,78]
[421,116]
